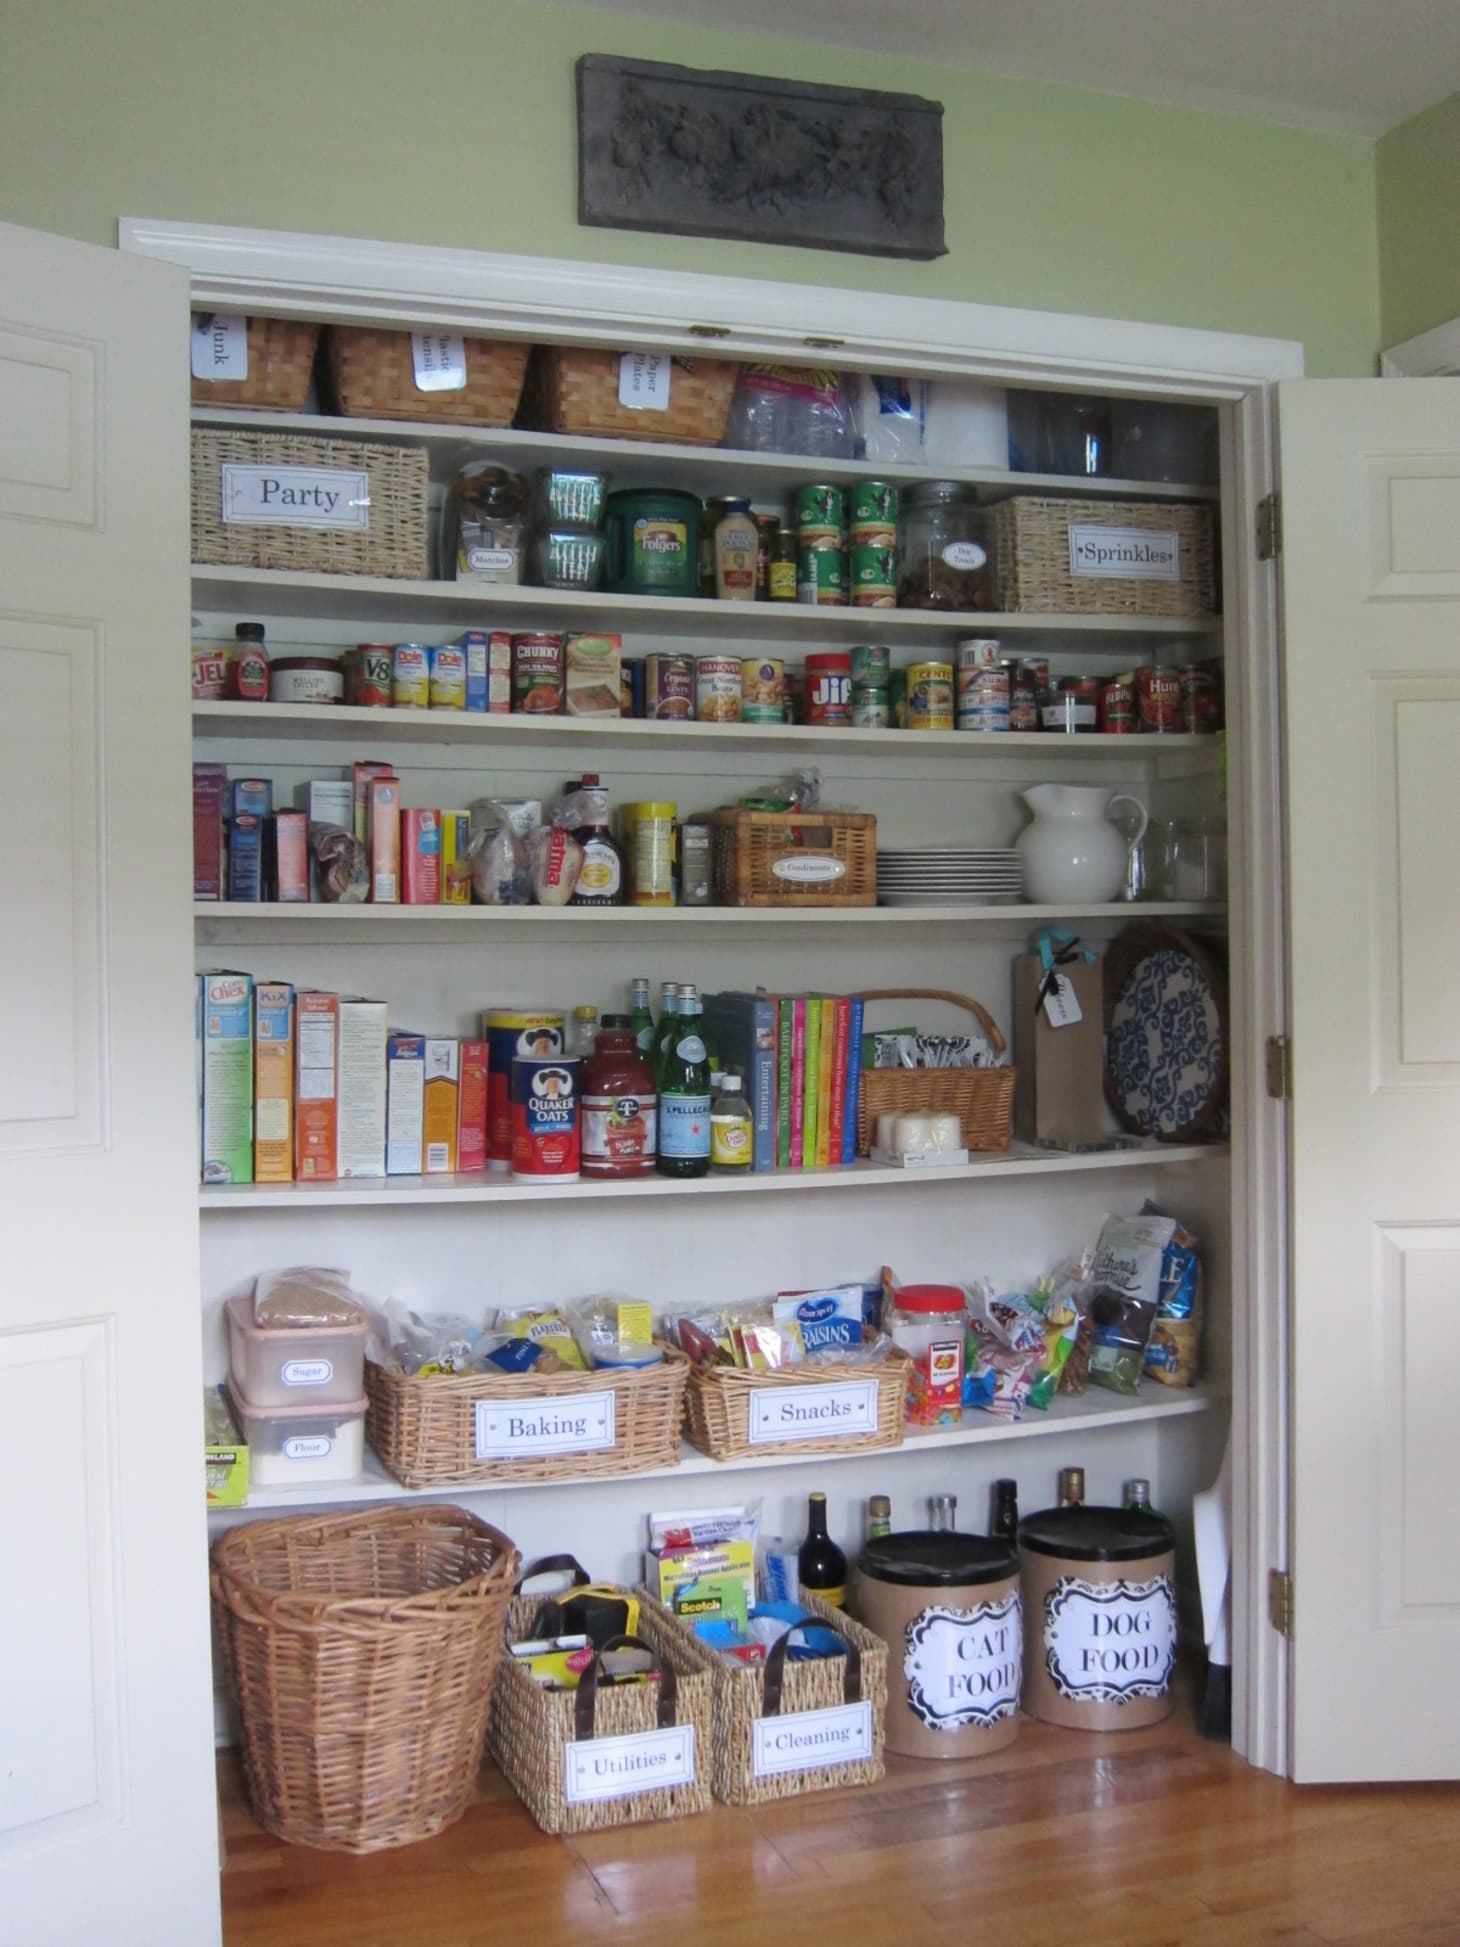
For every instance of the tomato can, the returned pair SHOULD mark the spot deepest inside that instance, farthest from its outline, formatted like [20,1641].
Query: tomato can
[1117,712]
[369,674]
[1201,699]
[762,689]
[829,687]
[544,1099]
[538,661]
[448,677]
[1158,701]
[410,676]
[513,1033]
[983,699]
[930,696]
[821,577]
[717,689]
[669,687]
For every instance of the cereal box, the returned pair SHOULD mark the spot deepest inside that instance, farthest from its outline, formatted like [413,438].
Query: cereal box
[442,1102]
[456,858]
[420,847]
[406,1107]
[363,775]
[316,1037]
[273,1082]
[384,840]
[471,1116]
[291,857]
[362,1088]
[227,1078]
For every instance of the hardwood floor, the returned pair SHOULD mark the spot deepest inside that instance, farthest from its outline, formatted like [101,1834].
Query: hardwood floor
[1151,1839]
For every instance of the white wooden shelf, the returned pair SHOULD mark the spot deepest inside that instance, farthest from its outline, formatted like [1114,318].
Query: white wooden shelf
[376,1193]
[1083,1414]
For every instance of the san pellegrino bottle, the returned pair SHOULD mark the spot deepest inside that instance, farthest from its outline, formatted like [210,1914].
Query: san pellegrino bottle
[669,1009]
[642,1021]
[684,1097]
[820,1563]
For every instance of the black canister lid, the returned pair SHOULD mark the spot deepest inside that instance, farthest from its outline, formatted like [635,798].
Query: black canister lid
[936,1558]
[1087,1534]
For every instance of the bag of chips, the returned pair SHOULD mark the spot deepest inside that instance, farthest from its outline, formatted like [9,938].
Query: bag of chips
[1127,1287]
[1174,1353]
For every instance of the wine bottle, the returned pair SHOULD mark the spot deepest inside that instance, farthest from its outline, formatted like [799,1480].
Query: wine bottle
[1004,1525]
[821,1564]
[1072,1487]
[879,1517]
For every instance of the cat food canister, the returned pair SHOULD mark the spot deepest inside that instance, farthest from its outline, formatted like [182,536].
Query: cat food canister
[1099,1590]
[948,1608]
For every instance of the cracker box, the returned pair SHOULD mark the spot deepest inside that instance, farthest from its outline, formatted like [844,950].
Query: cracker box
[227,1078]
[273,1082]
[362,777]
[225,1453]
[331,801]
[291,857]
[442,1104]
[210,790]
[252,794]
[316,1103]
[362,1088]
[384,840]
[406,1105]
[471,1115]
[591,684]
[420,848]
[246,858]
[456,858]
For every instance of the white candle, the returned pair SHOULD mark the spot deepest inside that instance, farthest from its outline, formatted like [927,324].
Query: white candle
[947,1133]
[912,1135]
[885,1125]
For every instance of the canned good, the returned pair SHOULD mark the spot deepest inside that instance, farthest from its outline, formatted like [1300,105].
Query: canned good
[983,699]
[369,675]
[819,504]
[979,652]
[545,1119]
[631,687]
[874,501]
[669,687]
[768,528]
[717,689]
[1117,710]
[1023,700]
[538,661]
[930,696]
[648,830]
[871,706]
[829,687]
[762,689]
[874,577]
[448,677]
[306,679]
[781,574]
[821,578]
[897,698]
[1074,707]
[820,540]
[793,704]
[1037,670]
[1201,699]
[873,534]
[410,676]
[513,1033]
[1158,701]
[871,663]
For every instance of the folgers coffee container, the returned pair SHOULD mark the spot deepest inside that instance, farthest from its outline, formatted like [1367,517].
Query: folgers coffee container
[829,688]
[544,1094]
[513,1032]
[948,1607]
[1099,1616]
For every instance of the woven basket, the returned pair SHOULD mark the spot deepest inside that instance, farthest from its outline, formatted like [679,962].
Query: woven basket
[280,364]
[748,1692]
[372,375]
[769,858]
[425,1429]
[393,544]
[531,1728]
[360,1650]
[1032,558]
[717,1408]
[573,389]
[981,1098]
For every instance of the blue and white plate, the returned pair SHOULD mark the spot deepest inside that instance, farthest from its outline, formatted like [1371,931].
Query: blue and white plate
[1166,1043]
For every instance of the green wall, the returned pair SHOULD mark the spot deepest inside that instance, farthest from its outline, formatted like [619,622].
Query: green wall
[1419,222]
[452,123]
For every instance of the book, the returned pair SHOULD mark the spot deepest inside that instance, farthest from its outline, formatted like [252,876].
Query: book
[746,1028]
[811,1080]
[824,1082]
[798,1078]
[841,1021]
[857,1007]
[784,1012]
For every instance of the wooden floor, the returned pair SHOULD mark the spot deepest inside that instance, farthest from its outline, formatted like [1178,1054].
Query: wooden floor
[1151,1839]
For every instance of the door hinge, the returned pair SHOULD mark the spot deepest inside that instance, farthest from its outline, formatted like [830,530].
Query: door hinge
[1280,1068]
[1280,1601]
[1269,527]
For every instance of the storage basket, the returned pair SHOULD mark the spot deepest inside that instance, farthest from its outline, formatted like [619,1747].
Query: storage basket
[981,1098]
[425,1430]
[793,858]
[718,1407]
[392,543]
[533,1728]
[574,389]
[1033,565]
[360,1650]
[280,363]
[373,376]
[750,1693]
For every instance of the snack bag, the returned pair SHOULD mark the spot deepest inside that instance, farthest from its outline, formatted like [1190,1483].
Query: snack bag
[1005,1347]
[1174,1354]
[548,1328]
[1127,1289]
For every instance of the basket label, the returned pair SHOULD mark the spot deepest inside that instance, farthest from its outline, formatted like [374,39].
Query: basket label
[295,496]
[560,1423]
[439,358]
[643,381]
[810,870]
[220,345]
[806,1740]
[619,1767]
[813,1412]
[964,1666]
[1125,553]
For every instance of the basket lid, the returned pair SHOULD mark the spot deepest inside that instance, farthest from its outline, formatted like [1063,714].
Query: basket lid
[1095,1534]
[936,1558]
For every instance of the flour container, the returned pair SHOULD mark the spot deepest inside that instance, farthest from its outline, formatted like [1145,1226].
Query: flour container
[948,1608]
[1099,1616]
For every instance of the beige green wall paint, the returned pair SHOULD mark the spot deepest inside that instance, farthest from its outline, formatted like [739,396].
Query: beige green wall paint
[453,124]
[1419,222]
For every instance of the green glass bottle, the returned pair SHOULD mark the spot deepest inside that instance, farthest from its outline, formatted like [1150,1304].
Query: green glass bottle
[684,1097]
[642,1021]
[671,994]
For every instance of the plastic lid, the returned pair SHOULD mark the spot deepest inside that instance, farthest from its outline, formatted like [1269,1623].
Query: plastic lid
[929,1298]
[1092,1534]
[336,1411]
[729,1081]
[616,1022]
[929,1558]
[249,631]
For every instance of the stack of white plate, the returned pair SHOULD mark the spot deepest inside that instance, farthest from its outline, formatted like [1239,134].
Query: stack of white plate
[948,875]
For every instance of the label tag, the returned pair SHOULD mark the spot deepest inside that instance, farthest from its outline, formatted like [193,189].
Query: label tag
[307,1372]
[220,345]
[643,381]
[295,496]
[567,1423]
[813,1412]
[805,1740]
[439,358]
[1061,1004]
[963,1666]
[809,869]
[617,1767]
[1125,553]
[1107,1641]
[307,1446]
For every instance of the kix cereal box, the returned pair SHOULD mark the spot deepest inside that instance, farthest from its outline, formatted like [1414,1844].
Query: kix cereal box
[442,1093]
[273,1082]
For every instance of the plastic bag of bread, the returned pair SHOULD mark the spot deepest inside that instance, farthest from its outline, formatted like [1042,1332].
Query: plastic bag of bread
[499,859]
[342,865]
[304,1296]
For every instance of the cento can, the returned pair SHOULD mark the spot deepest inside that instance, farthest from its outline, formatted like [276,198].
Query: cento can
[930,696]
[544,1099]
[410,676]
[1158,701]
[762,689]
[821,578]
[513,1033]
[829,688]
[1117,716]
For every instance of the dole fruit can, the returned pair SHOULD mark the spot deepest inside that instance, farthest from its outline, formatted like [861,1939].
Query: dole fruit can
[410,676]
[448,678]
[513,1032]
[544,1101]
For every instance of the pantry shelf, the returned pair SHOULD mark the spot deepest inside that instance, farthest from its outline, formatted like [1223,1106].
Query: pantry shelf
[375,1193]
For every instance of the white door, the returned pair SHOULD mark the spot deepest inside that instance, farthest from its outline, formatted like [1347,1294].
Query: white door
[107,1822]
[1371,574]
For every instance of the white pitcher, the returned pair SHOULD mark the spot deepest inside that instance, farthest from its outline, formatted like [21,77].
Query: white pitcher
[1072,854]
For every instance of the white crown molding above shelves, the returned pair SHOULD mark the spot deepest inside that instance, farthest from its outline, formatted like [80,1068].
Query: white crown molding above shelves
[1433,355]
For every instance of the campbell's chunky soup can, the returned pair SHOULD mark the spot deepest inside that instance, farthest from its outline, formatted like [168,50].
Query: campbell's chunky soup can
[545,1119]
[948,1608]
[1099,1588]
[510,1032]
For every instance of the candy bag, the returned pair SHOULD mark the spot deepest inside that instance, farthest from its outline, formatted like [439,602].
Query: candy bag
[1174,1354]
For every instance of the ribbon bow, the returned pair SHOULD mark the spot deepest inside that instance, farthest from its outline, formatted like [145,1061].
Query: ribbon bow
[1057,949]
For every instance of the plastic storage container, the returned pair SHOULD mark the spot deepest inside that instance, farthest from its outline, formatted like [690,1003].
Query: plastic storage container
[944,549]
[302,1446]
[270,1366]
[928,1322]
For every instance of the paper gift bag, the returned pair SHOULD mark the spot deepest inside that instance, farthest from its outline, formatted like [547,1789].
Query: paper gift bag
[1059,1091]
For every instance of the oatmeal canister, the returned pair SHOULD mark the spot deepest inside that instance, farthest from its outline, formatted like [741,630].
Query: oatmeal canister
[930,696]
[1099,1587]
[762,689]
[545,1119]
[512,1032]
[948,1608]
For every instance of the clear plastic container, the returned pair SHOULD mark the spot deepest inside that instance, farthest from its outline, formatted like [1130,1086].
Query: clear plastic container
[944,548]
[271,1366]
[928,1322]
[302,1446]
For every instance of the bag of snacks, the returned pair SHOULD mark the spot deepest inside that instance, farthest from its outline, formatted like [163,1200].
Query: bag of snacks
[1126,1277]
[1174,1354]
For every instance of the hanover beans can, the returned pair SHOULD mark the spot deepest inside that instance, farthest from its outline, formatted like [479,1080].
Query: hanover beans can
[545,1119]
[513,1032]
[717,689]
[829,688]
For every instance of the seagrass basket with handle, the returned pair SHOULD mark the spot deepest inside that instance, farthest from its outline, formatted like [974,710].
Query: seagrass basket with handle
[981,1098]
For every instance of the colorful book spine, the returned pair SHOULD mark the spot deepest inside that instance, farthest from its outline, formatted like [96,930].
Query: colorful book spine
[783,1084]
[798,1080]
[824,1083]
[841,1019]
[811,1082]
[766,1036]
[856,1007]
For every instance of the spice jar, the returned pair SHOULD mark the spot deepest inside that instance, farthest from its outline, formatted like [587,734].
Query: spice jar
[619,1105]
[928,1322]
[944,547]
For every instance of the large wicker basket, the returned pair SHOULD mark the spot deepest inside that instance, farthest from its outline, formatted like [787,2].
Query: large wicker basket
[280,364]
[793,858]
[1033,569]
[373,376]
[981,1098]
[425,1430]
[574,389]
[718,1408]
[361,1650]
[394,543]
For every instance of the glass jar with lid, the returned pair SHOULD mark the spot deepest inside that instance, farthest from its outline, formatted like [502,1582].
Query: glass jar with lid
[945,549]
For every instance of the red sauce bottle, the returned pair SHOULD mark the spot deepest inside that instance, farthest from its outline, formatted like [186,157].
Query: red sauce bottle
[619,1107]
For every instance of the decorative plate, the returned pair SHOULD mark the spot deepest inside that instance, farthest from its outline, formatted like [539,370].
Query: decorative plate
[1166,1035]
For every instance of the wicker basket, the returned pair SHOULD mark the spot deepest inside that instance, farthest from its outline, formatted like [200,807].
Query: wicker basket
[532,1728]
[1032,558]
[372,375]
[393,544]
[718,1408]
[793,858]
[574,389]
[981,1098]
[425,1429]
[361,1650]
[747,1693]
[280,364]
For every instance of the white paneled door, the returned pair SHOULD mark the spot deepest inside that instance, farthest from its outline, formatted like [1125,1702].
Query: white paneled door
[107,1823]
[1371,573]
